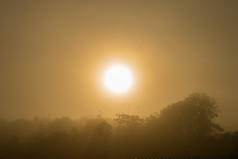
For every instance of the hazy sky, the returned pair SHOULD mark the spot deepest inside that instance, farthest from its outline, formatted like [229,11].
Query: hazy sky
[53,55]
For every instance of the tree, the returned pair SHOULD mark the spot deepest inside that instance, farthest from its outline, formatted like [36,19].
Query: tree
[192,116]
[95,138]
[127,121]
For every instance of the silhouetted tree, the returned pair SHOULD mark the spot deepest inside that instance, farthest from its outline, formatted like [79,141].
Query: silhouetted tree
[96,135]
[126,121]
[192,116]
[128,135]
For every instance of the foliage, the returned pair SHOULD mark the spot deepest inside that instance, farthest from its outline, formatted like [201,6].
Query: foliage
[192,116]
[184,128]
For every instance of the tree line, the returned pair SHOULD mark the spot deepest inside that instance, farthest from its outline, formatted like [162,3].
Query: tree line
[184,128]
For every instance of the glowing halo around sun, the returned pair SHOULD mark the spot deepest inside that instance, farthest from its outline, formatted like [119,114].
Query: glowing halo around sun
[118,79]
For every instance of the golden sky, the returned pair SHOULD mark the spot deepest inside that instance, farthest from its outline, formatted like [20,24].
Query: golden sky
[53,55]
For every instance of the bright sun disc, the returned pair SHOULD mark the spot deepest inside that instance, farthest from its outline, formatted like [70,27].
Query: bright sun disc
[118,79]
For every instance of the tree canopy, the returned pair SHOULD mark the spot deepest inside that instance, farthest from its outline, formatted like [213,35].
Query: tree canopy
[192,116]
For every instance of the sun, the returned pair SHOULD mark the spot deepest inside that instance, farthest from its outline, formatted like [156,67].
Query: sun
[118,79]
